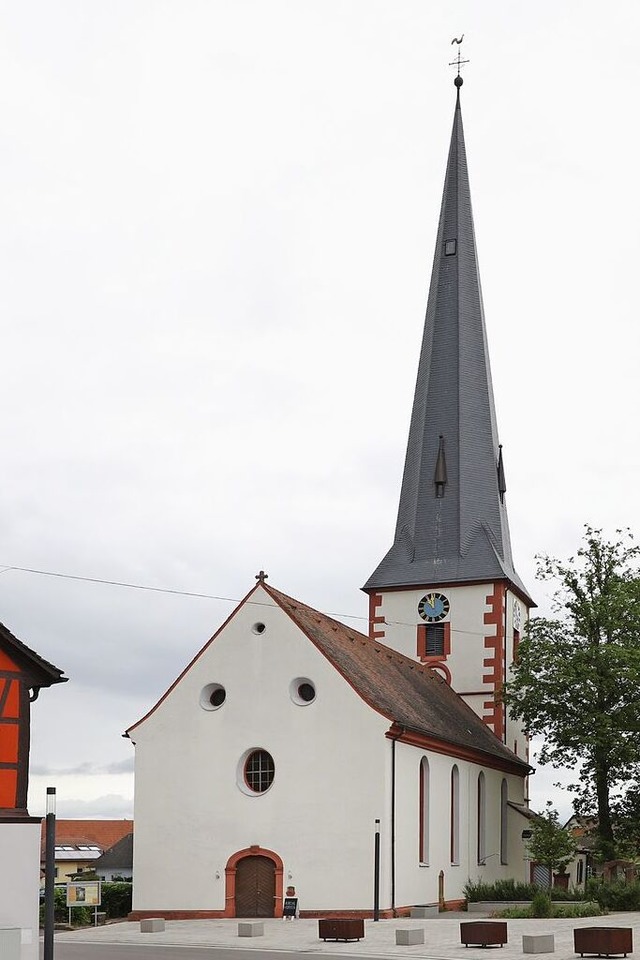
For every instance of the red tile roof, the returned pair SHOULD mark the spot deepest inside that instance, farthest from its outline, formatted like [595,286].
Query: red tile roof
[41,672]
[103,833]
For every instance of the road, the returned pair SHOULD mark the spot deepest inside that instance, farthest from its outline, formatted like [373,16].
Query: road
[122,951]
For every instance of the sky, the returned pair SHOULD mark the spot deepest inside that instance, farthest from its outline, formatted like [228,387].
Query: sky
[217,223]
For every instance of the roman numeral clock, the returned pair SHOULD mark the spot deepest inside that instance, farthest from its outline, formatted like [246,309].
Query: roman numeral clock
[433,607]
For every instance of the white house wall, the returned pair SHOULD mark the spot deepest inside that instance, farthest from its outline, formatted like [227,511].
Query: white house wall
[331,759]
[20,885]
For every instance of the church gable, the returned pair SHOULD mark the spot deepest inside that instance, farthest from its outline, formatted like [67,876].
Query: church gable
[274,650]
[259,663]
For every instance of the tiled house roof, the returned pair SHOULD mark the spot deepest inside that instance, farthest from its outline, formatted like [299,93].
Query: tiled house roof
[41,673]
[119,855]
[102,833]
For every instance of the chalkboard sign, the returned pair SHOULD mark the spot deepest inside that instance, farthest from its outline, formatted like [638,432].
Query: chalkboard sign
[290,907]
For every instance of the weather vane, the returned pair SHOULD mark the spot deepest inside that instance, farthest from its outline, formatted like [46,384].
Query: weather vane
[458,62]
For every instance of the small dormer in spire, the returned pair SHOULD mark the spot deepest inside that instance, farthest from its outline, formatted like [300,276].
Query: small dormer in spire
[502,483]
[440,476]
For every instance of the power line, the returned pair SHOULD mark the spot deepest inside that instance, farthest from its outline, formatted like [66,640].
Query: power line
[189,593]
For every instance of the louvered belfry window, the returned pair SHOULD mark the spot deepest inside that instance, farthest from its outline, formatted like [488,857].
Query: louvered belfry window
[435,639]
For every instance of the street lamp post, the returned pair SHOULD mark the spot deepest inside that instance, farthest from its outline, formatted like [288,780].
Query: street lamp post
[49,873]
[376,873]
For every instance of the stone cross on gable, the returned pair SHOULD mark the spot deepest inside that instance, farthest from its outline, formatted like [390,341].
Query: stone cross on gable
[262,576]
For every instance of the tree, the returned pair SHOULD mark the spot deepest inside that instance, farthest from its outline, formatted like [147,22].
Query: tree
[549,843]
[577,678]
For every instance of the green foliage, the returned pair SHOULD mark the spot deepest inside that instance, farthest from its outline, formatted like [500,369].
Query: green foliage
[577,678]
[116,899]
[116,902]
[503,890]
[541,904]
[619,895]
[477,891]
[558,911]
[549,843]
[80,916]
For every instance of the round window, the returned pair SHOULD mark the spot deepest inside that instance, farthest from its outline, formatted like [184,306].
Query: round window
[259,771]
[302,691]
[212,696]
[259,627]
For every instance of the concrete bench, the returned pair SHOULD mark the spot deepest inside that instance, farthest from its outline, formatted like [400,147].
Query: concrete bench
[425,911]
[251,928]
[152,925]
[538,943]
[409,936]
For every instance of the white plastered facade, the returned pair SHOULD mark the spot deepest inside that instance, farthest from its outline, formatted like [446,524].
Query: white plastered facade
[336,772]
[19,885]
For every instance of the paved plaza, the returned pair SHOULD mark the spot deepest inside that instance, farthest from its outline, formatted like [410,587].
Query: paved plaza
[441,936]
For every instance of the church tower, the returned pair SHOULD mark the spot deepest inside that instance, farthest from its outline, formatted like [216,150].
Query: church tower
[447,592]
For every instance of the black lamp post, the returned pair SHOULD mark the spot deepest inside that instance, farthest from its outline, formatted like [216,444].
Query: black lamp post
[49,873]
[376,873]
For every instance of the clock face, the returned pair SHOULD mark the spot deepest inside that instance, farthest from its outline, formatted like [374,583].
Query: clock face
[517,616]
[433,607]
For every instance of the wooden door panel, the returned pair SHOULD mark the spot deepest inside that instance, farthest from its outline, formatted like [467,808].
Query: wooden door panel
[255,887]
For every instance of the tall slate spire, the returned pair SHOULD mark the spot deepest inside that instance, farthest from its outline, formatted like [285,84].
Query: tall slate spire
[452,521]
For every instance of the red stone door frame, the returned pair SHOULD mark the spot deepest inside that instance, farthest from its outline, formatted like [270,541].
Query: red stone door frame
[230,878]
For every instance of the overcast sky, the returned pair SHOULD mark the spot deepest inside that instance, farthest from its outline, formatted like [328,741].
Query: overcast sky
[216,230]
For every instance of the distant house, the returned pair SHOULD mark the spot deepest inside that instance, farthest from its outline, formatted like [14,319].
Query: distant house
[117,861]
[81,843]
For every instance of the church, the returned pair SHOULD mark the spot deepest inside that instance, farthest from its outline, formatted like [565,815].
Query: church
[371,772]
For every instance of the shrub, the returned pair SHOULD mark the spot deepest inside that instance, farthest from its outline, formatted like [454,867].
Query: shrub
[541,904]
[80,916]
[116,902]
[117,899]
[513,890]
[619,895]
[500,890]
[558,910]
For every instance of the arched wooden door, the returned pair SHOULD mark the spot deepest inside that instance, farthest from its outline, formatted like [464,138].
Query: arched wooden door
[255,887]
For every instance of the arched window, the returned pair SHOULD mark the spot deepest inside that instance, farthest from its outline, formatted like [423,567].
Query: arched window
[455,815]
[424,810]
[504,813]
[482,818]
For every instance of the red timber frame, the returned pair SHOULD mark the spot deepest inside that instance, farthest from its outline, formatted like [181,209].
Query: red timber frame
[14,738]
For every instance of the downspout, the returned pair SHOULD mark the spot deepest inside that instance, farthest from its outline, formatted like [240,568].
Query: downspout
[398,733]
